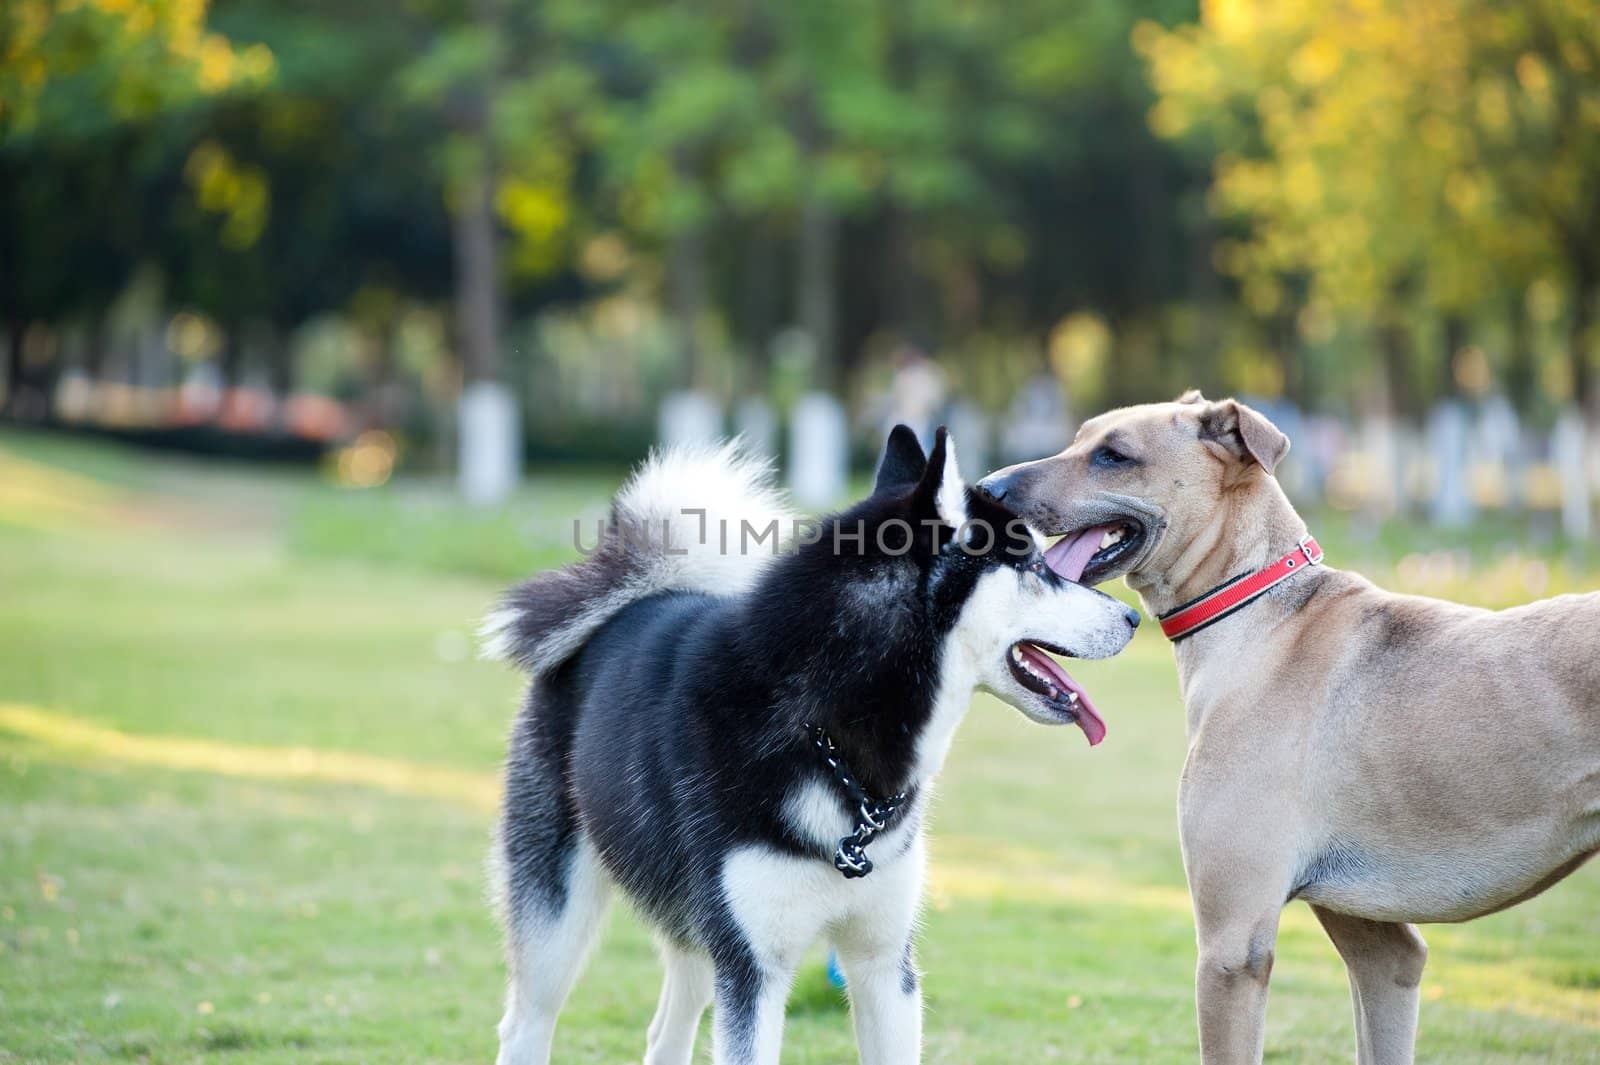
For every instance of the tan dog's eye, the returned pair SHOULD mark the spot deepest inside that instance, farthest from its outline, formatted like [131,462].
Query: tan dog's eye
[1110,458]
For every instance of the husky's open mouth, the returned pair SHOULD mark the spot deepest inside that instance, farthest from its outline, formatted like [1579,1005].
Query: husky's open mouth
[1064,697]
[1094,554]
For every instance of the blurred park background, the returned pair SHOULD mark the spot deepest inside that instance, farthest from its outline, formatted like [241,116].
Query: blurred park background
[321,321]
[470,235]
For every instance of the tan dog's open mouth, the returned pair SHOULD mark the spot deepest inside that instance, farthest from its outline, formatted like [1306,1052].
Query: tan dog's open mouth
[1093,554]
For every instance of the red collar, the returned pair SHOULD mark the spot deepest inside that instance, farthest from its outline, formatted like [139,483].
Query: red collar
[1224,599]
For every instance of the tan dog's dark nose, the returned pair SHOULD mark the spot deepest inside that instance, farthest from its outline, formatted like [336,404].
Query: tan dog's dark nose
[994,486]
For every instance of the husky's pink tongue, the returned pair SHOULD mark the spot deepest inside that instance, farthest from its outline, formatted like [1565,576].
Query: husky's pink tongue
[1071,553]
[1088,718]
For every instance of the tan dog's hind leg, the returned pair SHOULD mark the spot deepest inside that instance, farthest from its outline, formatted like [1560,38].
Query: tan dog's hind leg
[1385,963]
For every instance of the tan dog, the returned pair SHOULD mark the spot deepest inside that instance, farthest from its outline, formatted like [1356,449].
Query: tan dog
[1389,759]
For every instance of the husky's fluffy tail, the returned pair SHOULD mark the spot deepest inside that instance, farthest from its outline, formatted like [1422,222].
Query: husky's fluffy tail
[679,524]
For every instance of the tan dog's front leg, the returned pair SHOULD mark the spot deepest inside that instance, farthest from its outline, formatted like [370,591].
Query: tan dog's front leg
[1231,983]
[1238,852]
[1385,963]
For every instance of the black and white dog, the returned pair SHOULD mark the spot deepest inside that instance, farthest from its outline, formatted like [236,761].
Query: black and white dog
[721,733]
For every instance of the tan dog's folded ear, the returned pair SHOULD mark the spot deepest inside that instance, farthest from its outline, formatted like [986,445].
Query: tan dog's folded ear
[1245,432]
[1191,396]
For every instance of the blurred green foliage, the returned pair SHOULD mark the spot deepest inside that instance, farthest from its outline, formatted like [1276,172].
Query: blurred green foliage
[1434,158]
[1369,206]
[950,172]
[74,67]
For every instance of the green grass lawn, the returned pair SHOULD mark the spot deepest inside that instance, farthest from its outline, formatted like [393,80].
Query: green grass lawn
[247,774]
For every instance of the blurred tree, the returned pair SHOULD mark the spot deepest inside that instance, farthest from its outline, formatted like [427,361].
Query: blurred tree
[66,250]
[1417,156]
[679,104]
[959,175]
[1081,208]
[276,206]
[911,154]
[73,67]
[513,87]
[73,76]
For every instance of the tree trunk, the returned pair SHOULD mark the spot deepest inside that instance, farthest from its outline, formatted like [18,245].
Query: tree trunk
[1291,366]
[757,287]
[1395,348]
[280,363]
[1522,375]
[686,261]
[94,357]
[816,276]
[478,309]
[1206,293]
[384,394]
[1452,341]
[16,330]
[488,422]
[230,363]
[1579,326]
[899,281]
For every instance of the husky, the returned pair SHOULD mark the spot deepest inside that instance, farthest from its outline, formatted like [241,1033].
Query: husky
[743,741]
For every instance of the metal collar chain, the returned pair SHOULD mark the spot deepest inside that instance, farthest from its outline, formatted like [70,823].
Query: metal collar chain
[872,814]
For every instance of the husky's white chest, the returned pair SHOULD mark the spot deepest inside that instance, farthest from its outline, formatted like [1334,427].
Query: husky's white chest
[783,904]
[788,902]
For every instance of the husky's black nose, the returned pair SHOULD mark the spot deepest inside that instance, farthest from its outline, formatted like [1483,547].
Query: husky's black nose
[1133,616]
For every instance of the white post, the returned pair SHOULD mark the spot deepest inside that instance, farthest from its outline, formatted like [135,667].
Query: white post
[818,450]
[1567,448]
[491,442]
[754,421]
[690,419]
[1379,439]
[970,429]
[1447,441]
[1036,423]
[1498,454]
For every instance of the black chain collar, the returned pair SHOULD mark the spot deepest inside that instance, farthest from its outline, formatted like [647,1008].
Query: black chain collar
[873,815]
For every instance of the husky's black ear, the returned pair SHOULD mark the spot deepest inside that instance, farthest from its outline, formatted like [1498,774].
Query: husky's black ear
[903,460]
[942,493]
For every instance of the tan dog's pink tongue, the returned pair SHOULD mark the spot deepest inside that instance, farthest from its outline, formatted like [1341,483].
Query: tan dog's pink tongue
[1071,553]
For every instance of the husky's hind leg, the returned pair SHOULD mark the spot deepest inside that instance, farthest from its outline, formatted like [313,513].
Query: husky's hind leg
[548,935]
[553,893]
[685,994]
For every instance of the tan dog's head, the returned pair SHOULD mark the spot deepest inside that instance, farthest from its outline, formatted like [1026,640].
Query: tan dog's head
[1144,481]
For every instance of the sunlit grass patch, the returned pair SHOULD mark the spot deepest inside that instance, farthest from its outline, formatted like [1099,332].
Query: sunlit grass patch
[65,735]
[41,496]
